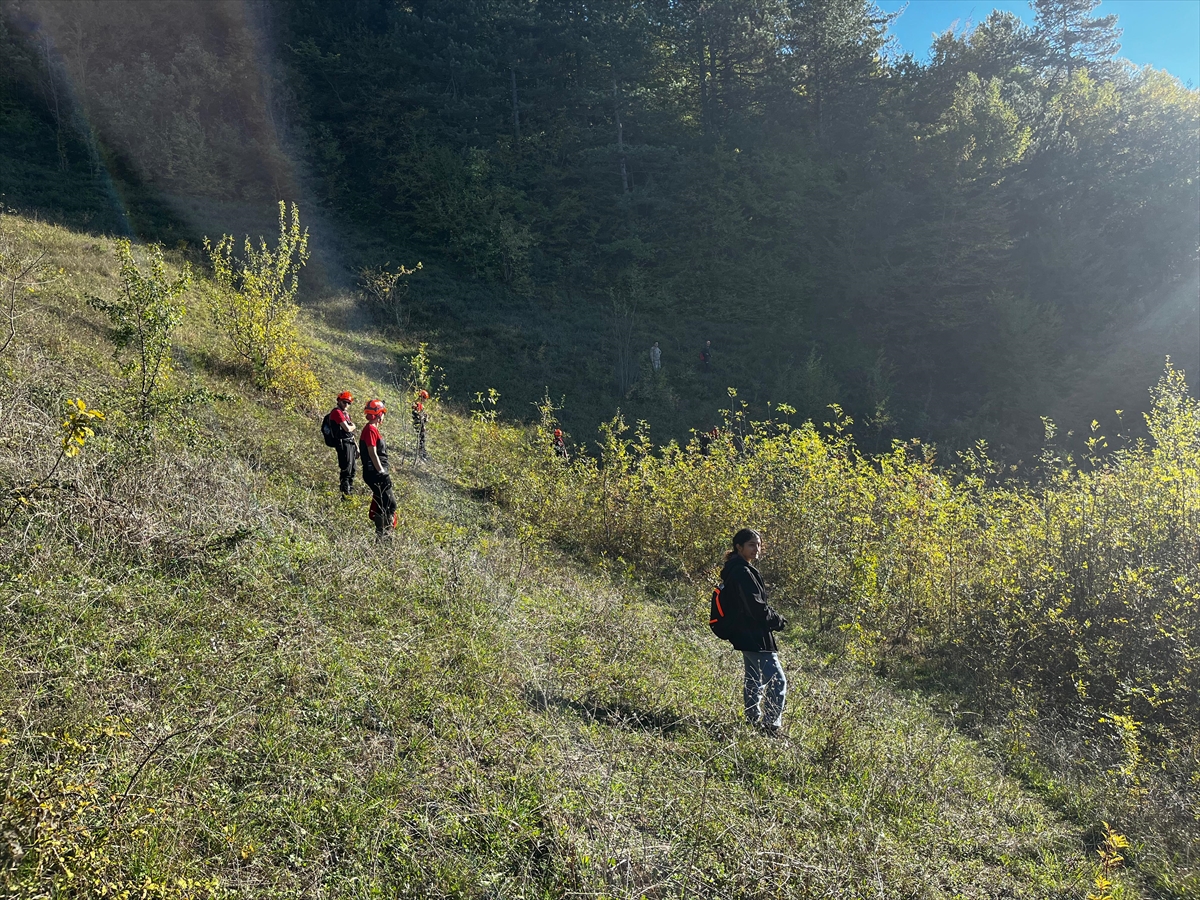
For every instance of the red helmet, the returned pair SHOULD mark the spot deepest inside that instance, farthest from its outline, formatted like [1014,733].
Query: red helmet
[374,409]
[347,396]
[424,395]
[558,432]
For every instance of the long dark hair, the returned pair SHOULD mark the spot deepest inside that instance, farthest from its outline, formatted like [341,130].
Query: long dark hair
[740,538]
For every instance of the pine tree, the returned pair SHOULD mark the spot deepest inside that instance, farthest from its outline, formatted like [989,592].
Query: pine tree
[1073,38]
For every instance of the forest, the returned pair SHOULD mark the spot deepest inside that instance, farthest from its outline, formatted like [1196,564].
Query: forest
[952,249]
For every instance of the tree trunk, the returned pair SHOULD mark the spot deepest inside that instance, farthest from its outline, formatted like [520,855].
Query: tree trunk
[52,88]
[703,79]
[620,139]
[624,314]
[516,109]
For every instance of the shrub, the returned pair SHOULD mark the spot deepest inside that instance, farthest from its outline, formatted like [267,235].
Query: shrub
[144,314]
[386,290]
[74,432]
[255,306]
[68,832]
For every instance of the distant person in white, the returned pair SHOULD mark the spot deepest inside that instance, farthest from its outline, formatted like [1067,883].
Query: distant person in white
[655,357]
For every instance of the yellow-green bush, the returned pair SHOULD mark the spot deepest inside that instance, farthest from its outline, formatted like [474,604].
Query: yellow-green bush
[254,305]
[1078,592]
[72,828]
[144,313]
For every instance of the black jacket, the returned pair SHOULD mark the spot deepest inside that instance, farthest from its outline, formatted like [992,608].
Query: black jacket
[369,473]
[745,601]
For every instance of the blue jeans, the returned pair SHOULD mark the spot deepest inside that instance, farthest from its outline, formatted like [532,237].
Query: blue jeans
[765,689]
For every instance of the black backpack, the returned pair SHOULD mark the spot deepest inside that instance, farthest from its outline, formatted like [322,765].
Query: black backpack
[718,619]
[331,432]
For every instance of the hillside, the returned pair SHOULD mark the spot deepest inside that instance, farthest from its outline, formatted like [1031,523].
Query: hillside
[927,285]
[214,683]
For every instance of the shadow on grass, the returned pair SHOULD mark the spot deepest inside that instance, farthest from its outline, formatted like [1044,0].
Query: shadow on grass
[221,366]
[617,714]
[622,715]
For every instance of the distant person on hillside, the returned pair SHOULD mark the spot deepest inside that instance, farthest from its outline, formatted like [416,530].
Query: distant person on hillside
[560,446]
[753,625]
[420,419]
[706,355]
[655,357]
[343,430]
[375,469]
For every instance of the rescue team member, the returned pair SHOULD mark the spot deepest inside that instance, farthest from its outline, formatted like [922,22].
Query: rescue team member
[560,445]
[375,469]
[420,419]
[764,689]
[347,453]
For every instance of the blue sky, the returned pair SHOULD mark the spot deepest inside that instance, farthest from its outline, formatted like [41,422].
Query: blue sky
[1161,33]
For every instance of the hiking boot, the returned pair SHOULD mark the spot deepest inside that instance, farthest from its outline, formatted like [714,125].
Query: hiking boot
[768,729]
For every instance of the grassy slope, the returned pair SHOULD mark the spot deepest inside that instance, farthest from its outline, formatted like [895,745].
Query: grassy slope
[462,713]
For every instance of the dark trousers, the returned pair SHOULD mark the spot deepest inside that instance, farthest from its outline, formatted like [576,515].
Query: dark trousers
[385,501]
[347,455]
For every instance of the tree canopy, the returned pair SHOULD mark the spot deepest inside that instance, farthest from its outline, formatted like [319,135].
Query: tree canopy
[941,246]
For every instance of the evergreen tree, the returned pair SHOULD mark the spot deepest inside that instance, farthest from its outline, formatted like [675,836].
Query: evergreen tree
[1073,38]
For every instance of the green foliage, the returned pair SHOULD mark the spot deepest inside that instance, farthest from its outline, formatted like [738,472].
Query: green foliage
[170,99]
[423,375]
[255,306]
[777,182]
[470,209]
[983,134]
[145,313]
[491,446]
[1072,38]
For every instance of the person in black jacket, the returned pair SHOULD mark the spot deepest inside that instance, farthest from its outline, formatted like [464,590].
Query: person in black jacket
[754,624]
[373,450]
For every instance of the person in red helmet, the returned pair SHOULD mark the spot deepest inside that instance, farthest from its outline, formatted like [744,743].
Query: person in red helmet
[374,453]
[420,419]
[560,445]
[343,434]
